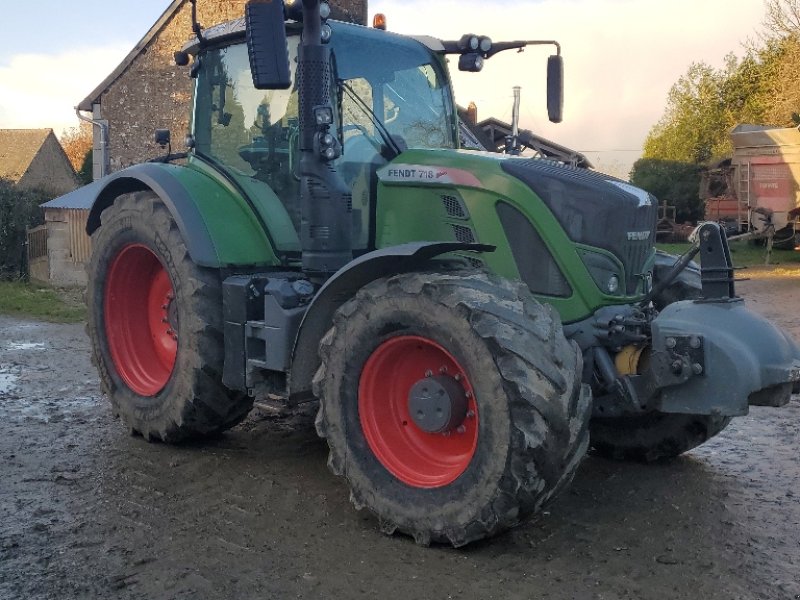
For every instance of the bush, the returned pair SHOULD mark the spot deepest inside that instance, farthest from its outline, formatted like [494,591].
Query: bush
[673,182]
[19,210]
[85,173]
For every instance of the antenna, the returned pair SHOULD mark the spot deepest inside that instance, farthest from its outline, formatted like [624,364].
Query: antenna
[512,141]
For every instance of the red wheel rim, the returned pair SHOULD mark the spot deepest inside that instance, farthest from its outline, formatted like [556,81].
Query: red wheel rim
[415,457]
[141,320]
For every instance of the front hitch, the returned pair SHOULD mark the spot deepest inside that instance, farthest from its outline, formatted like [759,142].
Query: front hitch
[709,356]
[716,274]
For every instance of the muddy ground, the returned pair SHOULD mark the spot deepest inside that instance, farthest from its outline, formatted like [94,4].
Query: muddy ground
[88,512]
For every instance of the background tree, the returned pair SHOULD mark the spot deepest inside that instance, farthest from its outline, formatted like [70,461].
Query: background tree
[77,143]
[782,18]
[675,182]
[19,210]
[85,173]
[703,106]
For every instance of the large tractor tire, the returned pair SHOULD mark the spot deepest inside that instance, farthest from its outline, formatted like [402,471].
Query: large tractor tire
[452,404]
[155,323]
[652,437]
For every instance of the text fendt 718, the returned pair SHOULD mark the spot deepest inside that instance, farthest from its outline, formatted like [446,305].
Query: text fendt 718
[469,322]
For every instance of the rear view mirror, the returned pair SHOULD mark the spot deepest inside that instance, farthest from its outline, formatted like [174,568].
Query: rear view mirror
[555,88]
[266,45]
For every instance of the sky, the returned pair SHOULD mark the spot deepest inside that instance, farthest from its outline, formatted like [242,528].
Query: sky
[621,58]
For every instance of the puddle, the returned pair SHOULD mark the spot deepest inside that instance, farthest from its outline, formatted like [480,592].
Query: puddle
[25,346]
[49,410]
[7,382]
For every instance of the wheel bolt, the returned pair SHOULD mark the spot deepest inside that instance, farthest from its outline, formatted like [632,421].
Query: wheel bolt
[164,320]
[470,414]
[170,332]
[461,429]
[458,377]
[442,369]
[468,394]
[164,307]
[428,373]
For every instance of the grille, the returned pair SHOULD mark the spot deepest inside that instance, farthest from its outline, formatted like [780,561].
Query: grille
[536,266]
[319,232]
[454,207]
[463,234]
[636,253]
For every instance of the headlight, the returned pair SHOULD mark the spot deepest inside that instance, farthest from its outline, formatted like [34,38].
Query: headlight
[605,270]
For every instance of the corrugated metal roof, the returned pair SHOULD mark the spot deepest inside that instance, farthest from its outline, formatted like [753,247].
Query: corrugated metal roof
[82,198]
[18,148]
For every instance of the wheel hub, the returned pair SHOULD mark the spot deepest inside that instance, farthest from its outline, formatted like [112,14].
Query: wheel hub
[437,404]
[422,428]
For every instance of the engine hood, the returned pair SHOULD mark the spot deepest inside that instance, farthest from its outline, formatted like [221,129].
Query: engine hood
[595,209]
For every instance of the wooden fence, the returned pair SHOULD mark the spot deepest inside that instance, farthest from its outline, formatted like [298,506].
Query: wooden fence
[37,242]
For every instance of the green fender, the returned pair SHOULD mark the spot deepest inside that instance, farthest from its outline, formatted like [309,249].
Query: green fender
[219,227]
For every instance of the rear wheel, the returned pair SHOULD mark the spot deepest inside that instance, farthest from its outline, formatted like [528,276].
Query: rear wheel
[155,323]
[656,436]
[451,403]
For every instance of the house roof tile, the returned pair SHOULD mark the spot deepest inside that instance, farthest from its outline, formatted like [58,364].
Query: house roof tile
[18,148]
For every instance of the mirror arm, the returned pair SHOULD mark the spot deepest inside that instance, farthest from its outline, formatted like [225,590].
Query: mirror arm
[521,45]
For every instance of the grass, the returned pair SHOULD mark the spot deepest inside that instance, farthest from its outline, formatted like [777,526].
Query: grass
[40,302]
[746,254]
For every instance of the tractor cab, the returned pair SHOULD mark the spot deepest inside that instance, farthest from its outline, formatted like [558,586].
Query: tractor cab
[391,92]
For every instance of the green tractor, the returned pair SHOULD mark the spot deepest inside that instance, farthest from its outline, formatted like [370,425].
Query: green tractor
[469,322]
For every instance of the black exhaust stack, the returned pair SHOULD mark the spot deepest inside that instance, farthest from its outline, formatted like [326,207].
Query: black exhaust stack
[326,201]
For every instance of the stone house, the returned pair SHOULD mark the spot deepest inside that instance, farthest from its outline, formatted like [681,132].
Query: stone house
[148,92]
[144,93]
[34,159]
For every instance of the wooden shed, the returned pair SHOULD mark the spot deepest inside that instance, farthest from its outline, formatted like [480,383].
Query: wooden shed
[59,250]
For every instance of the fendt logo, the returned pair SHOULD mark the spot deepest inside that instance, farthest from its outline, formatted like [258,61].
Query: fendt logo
[638,236]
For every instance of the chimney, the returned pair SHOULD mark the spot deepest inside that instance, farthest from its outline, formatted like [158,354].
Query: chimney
[472,113]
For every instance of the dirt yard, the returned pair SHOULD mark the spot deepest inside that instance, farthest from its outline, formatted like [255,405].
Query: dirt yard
[86,511]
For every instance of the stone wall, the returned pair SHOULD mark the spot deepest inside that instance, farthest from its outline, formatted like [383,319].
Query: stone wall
[63,270]
[50,170]
[153,93]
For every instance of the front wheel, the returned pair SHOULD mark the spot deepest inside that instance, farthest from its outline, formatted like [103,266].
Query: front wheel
[155,323]
[451,403]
